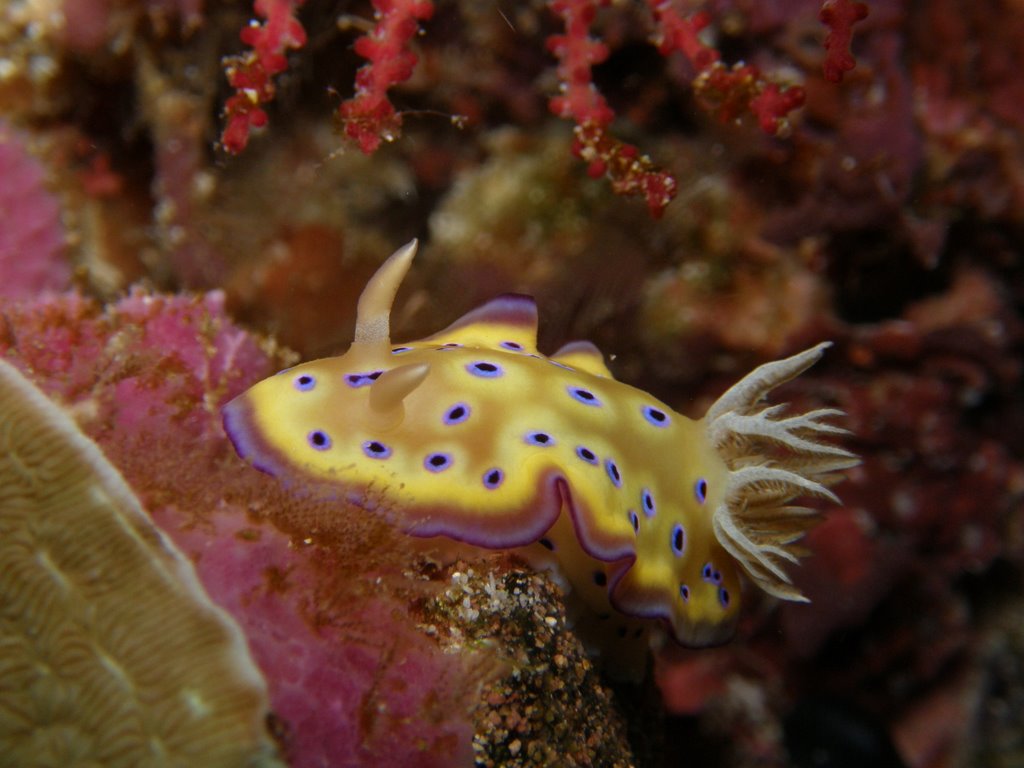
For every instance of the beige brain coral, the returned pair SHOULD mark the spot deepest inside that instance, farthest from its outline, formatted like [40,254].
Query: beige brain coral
[110,651]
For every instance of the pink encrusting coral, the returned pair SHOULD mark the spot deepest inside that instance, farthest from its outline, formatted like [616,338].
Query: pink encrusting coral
[32,236]
[139,367]
[325,606]
[355,687]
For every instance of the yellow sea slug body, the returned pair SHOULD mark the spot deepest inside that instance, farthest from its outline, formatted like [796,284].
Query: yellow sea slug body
[474,435]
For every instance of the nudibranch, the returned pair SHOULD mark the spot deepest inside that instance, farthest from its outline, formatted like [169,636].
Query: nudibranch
[474,435]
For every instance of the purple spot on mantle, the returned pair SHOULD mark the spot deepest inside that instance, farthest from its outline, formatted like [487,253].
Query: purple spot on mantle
[376,450]
[613,472]
[542,439]
[656,416]
[647,502]
[485,369]
[584,396]
[678,540]
[493,478]
[457,414]
[357,380]
[700,490]
[319,440]
[437,462]
[710,575]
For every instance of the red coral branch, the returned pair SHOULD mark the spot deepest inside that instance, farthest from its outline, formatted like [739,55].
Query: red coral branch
[675,33]
[772,106]
[369,117]
[840,16]
[630,172]
[577,52]
[251,73]
[730,92]
[726,92]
